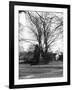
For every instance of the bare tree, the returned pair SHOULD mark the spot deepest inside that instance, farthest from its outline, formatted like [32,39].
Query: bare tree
[50,36]
[46,28]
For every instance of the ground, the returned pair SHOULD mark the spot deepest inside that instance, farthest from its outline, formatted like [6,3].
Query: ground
[53,69]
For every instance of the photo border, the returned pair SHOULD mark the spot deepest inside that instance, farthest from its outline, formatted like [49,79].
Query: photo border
[11,43]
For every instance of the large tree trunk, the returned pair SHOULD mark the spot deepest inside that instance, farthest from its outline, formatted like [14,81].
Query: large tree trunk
[39,42]
[45,44]
[45,53]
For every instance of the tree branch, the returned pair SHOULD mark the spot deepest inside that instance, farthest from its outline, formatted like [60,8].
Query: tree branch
[28,40]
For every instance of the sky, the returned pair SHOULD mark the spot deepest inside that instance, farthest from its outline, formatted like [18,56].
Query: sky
[27,34]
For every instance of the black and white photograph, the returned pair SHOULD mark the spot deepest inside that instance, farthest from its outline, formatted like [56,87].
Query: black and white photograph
[40,40]
[39,44]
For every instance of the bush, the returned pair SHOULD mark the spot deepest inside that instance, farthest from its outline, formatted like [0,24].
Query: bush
[60,57]
[25,56]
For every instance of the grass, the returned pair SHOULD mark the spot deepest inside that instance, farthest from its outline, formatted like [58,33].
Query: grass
[53,69]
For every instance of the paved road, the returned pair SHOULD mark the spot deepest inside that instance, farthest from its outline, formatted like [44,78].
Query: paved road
[40,71]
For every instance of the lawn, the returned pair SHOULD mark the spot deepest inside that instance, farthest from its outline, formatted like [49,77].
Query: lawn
[53,69]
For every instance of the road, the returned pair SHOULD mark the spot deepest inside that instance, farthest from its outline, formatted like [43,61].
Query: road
[40,71]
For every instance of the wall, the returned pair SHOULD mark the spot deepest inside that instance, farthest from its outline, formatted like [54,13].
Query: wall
[4,44]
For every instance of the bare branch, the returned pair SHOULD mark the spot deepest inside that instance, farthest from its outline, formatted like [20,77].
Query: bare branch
[32,30]
[27,40]
[41,18]
[55,29]
[54,39]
